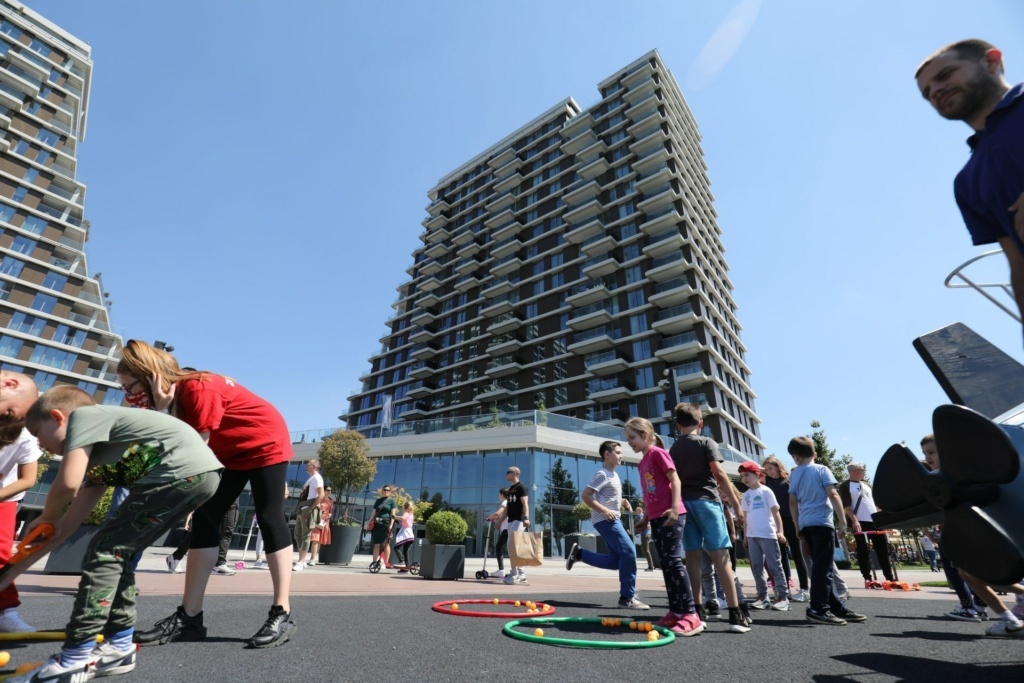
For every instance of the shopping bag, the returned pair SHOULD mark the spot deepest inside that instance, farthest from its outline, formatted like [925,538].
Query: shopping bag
[526,549]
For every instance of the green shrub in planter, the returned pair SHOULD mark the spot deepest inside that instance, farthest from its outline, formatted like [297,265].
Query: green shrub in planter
[581,513]
[446,528]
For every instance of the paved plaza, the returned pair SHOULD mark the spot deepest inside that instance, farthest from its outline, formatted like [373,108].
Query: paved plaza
[357,626]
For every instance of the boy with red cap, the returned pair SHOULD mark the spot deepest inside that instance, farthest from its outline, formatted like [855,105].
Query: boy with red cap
[763,534]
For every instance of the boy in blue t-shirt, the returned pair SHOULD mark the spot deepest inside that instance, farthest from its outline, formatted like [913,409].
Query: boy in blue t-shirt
[812,501]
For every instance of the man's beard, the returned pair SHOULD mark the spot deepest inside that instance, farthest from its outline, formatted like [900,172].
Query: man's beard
[977,94]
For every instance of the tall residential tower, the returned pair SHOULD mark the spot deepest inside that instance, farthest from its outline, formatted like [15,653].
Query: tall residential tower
[574,266]
[54,322]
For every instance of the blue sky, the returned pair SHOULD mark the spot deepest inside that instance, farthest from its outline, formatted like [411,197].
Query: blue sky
[257,173]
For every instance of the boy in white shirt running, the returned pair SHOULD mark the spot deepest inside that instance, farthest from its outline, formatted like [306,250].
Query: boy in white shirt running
[762,538]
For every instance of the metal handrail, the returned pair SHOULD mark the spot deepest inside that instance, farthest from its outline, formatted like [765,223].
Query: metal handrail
[979,287]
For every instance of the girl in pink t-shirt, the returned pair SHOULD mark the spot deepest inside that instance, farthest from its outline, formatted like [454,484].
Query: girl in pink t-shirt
[664,505]
[405,536]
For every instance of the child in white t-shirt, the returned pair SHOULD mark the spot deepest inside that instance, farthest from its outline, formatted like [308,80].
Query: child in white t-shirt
[405,535]
[762,538]
[19,456]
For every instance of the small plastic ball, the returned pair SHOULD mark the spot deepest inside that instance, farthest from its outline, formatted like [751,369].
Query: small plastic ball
[539,633]
[495,601]
[632,626]
[604,622]
[4,658]
[517,604]
[648,627]
[653,635]
[455,605]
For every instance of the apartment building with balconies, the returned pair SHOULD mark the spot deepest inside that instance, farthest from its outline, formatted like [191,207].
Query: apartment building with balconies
[575,265]
[54,313]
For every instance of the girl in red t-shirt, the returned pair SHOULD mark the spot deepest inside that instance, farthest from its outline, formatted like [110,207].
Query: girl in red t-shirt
[250,438]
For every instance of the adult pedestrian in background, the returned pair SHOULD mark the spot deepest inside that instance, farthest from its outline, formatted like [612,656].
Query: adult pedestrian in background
[964,81]
[383,517]
[859,506]
[250,439]
[307,513]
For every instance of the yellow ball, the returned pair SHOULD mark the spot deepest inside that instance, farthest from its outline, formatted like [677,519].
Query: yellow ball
[517,604]
[539,633]
[495,601]
[648,627]
[618,622]
[4,658]
[632,626]
[455,605]
[653,635]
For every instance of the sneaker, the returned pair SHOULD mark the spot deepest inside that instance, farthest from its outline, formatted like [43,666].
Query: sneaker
[745,611]
[173,564]
[509,579]
[963,614]
[1018,609]
[224,569]
[761,603]
[1004,629]
[521,578]
[112,662]
[51,671]
[259,564]
[498,574]
[277,629]
[669,620]
[311,563]
[800,596]
[851,617]
[712,609]
[177,627]
[575,555]
[781,605]
[689,625]
[632,603]
[825,617]
[702,612]
[981,612]
[737,622]
[11,622]
[298,566]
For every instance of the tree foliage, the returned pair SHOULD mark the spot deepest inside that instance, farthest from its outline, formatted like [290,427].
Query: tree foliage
[561,491]
[344,460]
[827,455]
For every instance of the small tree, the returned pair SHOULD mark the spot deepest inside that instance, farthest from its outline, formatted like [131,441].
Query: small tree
[827,455]
[581,513]
[344,460]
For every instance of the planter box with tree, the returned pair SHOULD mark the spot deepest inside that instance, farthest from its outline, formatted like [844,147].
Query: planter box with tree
[344,460]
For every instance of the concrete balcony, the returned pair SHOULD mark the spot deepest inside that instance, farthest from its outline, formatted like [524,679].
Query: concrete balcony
[505,230]
[680,347]
[666,242]
[494,391]
[509,183]
[594,169]
[424,351]
[469,248]
[656,178]
[436,251]
[504,323]
[466,282]
[600,266]
[605,363]
[587,293]
[422,370]
[501,201]
[667,267]
[424,316]
[507,246]
[591,154]
[505,343]
[592,315]
[429,284]
[584,139]
[642,90]
[434,224]
[658,222]
[578,215]
[420,390]
[585,231]
[598,244]
[590,341]
[422,335]
[581,194]
[676,319]
[608,389]
[499,218]
[502,158]
[652,161]
[501,367]
[504,266]
[651,142]
[671,293]
[498,285]
[658,198]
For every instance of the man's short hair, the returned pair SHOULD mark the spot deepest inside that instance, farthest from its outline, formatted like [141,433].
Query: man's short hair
[606,447]
[515,470]
[856,466]
[801,447]
[688,415]
[314,462]
[971,49]
[64,398]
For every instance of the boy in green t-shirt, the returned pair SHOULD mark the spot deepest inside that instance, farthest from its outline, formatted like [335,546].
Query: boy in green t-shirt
[169,472]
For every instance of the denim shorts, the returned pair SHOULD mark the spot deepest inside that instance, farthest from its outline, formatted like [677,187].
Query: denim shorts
[705,526]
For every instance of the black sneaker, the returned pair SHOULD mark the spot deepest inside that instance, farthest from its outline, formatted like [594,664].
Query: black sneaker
[712,608]
[277,630]
[574,556]
[702,613]
[737,622]
[745,611]
[177,627]
[825,617]
[850,616]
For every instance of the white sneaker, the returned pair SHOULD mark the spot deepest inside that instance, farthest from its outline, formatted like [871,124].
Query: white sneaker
[498,574]
[298,566]
[311,563]
[760,603]
[51,670]
[259,564]
[1004,629]
[509,579]
[224,569]
[11,622]
[111,662]
[173,564]
[521,578]
[800,596]
[781,605]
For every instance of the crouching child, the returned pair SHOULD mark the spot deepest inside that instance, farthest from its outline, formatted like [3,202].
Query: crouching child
[169,471]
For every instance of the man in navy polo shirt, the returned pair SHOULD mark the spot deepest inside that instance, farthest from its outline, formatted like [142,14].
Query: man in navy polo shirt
[964,82]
